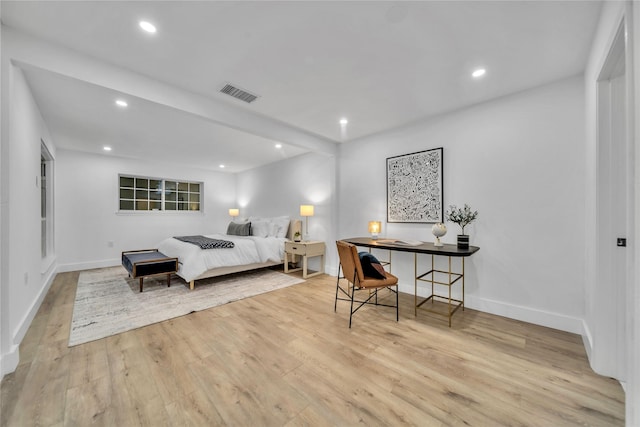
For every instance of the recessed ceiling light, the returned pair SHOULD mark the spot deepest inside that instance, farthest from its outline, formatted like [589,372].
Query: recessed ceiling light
[221,166]
[121,103]
[344,121]
[147,26]
[278,145]
[106,148]
[479,72]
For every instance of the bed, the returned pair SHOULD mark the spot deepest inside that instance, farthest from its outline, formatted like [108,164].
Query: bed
[263,247]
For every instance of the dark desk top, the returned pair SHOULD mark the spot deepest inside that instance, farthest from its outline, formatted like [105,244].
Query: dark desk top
[424,248]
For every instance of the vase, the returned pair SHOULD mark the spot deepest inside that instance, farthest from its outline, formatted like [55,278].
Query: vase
[438,230]
[463,241]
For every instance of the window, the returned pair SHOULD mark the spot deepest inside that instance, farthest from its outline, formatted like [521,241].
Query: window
[156,194]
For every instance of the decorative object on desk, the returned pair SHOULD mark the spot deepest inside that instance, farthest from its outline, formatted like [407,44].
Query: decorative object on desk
[414,187]
[403,242]
[234,213]
[438,230]
[296,236]
[462,217]
[306,211]
[374,229]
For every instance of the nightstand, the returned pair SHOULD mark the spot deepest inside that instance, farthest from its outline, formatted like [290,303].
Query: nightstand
[305,250]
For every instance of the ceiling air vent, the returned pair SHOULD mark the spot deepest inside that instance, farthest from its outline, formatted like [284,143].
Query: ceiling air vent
[240,94]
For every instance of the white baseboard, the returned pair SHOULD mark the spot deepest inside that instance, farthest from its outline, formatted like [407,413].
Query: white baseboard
[587,339]
[527,314]
[78,266]
[9,361]
[23,327]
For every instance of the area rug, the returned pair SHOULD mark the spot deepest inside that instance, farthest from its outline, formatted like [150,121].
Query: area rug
[108,302]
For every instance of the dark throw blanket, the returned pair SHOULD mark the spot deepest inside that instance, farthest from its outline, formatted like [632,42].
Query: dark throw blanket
[205,242]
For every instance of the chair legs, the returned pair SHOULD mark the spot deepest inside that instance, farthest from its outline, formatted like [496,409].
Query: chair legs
[351,292]
[397,304]
[372,296]
[335,306]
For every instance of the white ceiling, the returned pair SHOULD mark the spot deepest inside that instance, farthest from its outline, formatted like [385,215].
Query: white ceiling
[379,64]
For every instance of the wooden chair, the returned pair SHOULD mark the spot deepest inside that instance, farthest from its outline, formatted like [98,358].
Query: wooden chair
[357,281]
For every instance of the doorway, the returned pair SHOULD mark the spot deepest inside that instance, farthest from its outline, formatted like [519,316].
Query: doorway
[614,198]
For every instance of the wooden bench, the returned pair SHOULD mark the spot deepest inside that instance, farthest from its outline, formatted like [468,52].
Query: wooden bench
[149,262]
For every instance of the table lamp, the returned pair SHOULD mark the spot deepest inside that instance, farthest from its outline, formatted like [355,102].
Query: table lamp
[306,211]
[234,213]
[374,229]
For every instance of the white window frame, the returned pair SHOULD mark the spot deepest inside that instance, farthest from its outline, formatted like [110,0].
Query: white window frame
[163,196]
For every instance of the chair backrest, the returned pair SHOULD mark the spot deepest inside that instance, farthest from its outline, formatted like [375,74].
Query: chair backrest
[350,262]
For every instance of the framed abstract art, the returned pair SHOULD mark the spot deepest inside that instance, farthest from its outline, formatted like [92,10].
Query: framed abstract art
[414,187]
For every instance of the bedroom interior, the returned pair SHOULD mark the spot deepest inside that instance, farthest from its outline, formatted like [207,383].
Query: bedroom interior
[550,292]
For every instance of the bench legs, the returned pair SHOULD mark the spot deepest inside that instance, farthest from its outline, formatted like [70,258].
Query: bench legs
[168,281]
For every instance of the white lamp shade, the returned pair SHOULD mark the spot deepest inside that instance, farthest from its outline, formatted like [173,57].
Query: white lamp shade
[374,227]
[306,210]
[234,212]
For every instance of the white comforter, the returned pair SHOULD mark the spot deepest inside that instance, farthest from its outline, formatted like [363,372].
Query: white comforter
[248,250]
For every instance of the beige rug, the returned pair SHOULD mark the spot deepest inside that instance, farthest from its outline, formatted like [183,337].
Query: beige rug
[108,302]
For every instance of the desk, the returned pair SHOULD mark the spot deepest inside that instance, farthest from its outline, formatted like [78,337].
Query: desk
[450,277]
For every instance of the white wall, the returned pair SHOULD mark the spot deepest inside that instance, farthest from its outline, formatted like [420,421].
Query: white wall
[280,188]
[24,285]
[519,161]
[87,203]
[87,194]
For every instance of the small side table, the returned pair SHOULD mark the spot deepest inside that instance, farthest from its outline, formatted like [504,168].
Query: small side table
[305,250]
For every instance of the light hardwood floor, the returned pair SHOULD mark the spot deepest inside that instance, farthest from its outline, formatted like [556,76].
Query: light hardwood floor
[286,359]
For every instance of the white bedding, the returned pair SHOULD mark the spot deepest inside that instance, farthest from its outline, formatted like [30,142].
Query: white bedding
[248,250]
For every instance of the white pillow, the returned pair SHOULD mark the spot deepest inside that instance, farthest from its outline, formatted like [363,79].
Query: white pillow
[260,228]
[281,224]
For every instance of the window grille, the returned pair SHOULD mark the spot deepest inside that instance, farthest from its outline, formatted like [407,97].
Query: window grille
[156,194]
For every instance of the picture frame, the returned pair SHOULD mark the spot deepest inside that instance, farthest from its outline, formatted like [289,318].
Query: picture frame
[414,187]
